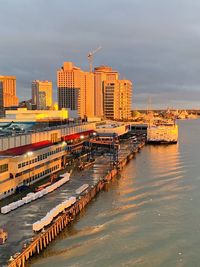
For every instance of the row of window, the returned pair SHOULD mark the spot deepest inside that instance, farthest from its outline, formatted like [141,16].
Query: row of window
[41,174]
[40,157]
[9,191]
[3,168]
[35,168]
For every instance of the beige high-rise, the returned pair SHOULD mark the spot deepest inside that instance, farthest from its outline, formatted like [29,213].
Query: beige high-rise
[76,89]
[42,94]
[117,99]
[8,96]
[102,74]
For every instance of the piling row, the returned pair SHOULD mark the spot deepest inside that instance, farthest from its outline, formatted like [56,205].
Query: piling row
[44,238]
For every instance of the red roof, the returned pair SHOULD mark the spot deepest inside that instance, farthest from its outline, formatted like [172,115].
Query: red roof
[77,135]
[16,151]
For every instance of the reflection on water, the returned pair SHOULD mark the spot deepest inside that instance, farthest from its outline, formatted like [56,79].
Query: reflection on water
[149,217]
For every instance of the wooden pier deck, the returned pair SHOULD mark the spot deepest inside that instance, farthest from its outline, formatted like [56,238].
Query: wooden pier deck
[44,238]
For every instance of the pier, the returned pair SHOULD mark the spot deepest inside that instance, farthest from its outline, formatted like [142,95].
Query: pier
[41,240]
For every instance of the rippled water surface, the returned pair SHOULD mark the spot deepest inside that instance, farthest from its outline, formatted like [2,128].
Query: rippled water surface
[148,217]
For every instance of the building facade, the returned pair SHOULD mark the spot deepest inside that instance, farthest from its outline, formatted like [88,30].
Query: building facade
[25,169]
[42,94]
[75,89]
[102,74]
[8,96]
[117,99]
[30,157]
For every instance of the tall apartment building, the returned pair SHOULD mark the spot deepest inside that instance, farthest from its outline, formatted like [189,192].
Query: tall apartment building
[42,94]
[102,74]
[8,96]
[75,89]
[117,99]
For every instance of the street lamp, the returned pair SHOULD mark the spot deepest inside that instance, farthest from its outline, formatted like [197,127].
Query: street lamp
[29,153]
[93,136]
[64,143]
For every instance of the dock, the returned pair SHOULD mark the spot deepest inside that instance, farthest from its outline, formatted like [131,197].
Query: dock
[41,240]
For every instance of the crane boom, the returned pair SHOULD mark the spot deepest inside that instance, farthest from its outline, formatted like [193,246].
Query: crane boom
[90,56]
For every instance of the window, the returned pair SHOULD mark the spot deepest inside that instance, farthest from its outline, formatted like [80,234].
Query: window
[3,168]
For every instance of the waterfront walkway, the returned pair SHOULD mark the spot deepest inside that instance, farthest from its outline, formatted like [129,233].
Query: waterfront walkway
[19,222]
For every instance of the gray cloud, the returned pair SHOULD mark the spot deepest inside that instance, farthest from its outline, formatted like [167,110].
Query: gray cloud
[152,42]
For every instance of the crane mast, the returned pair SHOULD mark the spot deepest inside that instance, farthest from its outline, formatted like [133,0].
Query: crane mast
[90,56]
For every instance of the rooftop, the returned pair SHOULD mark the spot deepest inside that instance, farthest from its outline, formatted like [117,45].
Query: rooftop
[77,135]
[17,151]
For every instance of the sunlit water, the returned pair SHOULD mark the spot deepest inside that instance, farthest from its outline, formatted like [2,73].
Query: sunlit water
[148,217]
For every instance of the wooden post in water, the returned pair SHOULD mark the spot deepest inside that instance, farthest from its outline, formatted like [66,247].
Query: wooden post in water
[44,241]
[40,241]
[38,247]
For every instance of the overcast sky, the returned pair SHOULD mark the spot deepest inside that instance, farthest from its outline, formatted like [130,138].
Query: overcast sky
[154,43]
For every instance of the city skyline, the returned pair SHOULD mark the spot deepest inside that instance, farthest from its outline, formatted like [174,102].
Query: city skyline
[153,44]
[99,133]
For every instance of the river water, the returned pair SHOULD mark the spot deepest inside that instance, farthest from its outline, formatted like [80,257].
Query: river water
[148,217]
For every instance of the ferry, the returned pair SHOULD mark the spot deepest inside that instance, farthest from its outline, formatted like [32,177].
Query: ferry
[163,134]
[3,236]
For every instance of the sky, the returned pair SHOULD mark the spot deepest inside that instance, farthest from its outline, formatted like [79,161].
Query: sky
[153,43]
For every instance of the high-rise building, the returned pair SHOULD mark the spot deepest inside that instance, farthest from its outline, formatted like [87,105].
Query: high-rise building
[8,96]
[76,89]
[42,94]
[102,74]
[117,99]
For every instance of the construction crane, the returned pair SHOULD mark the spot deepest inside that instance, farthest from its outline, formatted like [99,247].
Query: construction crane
[90,56]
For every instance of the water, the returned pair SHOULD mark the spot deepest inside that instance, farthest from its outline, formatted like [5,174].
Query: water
[148,217]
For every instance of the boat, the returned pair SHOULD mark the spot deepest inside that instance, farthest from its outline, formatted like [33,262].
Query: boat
[163,134]
[3,236]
